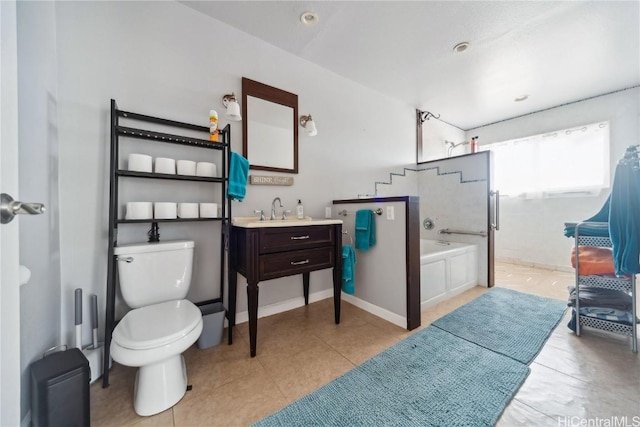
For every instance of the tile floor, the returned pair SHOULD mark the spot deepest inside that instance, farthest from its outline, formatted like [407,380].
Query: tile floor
[573,381]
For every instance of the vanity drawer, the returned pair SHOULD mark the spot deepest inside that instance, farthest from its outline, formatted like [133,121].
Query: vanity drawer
[295,262]
[292,238]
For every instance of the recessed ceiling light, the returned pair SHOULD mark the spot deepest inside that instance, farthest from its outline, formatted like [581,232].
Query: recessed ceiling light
[521,98]
[461,47]
[309,18]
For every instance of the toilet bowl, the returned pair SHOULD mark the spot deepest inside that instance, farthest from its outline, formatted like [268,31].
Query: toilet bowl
[154,280]
[153,338]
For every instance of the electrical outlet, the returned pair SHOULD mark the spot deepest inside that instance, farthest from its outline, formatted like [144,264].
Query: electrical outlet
[327,212]
[390,213]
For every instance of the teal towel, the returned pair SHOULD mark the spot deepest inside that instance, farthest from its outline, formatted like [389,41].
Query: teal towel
[238,172]
[591,230]
[365,229]
[348,269]
[624,226]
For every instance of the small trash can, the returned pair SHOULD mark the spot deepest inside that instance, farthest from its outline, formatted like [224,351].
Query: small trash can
[212,325]
[60,389]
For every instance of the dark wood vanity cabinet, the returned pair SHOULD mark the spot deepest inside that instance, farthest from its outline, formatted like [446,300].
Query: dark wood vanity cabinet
[264,253]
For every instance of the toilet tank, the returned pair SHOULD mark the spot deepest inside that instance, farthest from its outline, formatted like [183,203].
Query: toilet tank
[151,273]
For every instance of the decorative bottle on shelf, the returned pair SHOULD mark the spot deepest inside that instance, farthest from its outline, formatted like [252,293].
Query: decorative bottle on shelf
[299,210]
[474,144]
[213,125]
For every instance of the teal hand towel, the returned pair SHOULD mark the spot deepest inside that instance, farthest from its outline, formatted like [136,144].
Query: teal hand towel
[238,172]
[365,229]
[348,269]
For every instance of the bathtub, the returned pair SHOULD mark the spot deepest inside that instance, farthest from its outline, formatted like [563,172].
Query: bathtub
[446,269]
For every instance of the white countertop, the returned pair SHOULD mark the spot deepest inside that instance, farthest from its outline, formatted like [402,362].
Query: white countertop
[254,222]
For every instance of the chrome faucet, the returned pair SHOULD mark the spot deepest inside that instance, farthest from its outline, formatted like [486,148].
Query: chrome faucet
[273,207]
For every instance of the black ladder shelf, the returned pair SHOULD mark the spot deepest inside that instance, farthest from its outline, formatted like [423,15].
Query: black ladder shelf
[117,132]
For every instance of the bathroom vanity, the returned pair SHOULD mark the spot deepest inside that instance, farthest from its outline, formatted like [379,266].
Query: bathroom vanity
[268,249]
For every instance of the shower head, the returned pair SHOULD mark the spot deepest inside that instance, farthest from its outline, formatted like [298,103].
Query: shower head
[453,145]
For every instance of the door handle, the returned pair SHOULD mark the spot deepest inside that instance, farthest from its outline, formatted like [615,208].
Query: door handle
[9,208]
[496,214]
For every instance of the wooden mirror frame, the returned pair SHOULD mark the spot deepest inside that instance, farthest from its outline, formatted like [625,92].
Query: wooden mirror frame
[275,95]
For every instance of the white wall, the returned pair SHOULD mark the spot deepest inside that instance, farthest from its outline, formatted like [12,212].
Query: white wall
[381,274]
[164,59]
[38,162]
[531,231]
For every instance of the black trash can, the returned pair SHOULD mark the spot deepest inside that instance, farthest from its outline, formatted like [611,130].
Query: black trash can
[60,389]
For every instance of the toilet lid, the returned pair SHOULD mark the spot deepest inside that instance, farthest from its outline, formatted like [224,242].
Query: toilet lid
[156,325]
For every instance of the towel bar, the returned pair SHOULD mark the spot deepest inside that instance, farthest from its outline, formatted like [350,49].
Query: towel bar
[344,212]
[350,238]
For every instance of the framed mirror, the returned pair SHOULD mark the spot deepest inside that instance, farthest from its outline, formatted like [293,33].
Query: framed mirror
[269,127]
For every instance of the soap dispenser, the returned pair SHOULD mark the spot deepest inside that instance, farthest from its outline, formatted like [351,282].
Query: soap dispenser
[299,210]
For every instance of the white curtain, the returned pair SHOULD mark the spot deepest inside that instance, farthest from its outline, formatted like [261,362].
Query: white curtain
[565,162]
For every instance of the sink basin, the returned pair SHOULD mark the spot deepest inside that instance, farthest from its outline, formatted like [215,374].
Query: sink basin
[254,222]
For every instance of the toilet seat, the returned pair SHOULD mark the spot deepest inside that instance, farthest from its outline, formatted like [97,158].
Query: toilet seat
[157,325]
[153,338]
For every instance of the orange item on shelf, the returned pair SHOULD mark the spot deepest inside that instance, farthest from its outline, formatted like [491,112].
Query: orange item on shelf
[213,125]
[593,260]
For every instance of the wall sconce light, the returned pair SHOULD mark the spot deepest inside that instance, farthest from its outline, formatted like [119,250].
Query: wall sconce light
[230,102]
[309,125]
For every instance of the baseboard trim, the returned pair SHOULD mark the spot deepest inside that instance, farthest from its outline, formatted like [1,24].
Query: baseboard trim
[552,267]
[385,314]
[280,307]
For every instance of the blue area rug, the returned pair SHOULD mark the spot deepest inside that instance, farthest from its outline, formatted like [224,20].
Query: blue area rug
[505,321]
[432,378]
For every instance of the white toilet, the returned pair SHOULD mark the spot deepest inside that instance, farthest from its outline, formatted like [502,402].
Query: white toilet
[154,280]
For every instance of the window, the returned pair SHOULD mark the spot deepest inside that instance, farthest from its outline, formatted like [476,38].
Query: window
[560,163]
